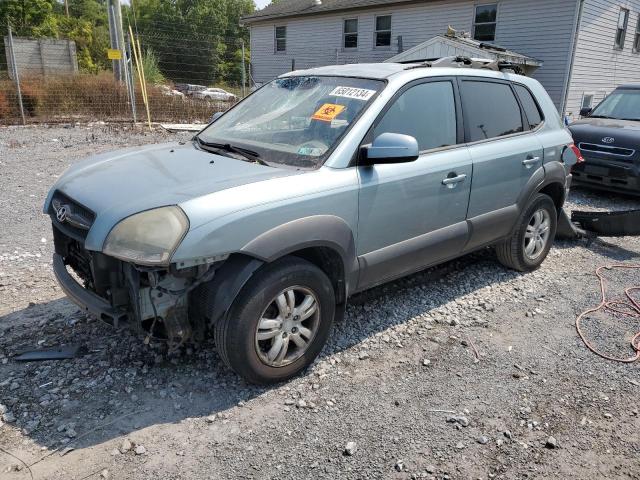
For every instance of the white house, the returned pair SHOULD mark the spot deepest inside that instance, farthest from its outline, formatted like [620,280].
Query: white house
[585,47]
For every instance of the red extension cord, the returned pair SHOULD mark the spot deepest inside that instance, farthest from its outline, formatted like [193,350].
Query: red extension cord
[630,309]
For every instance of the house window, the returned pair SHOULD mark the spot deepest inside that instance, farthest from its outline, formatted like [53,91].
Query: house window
[383,31]
[636,39]
[350,33]
[587,100]
[621,33]
[281,39]
[484,24]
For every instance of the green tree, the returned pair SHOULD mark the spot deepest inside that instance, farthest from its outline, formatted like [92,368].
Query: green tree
[196,41]
[29,18]
[88,26]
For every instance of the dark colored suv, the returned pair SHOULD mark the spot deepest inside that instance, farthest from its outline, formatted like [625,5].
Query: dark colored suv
[609,138]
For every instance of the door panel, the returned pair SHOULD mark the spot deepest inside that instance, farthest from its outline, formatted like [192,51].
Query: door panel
[414,214]
[501,169]
[400,202]
[505,155]
[405,202]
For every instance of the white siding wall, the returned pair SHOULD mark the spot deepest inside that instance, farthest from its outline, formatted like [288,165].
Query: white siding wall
[598,68]
[542,29]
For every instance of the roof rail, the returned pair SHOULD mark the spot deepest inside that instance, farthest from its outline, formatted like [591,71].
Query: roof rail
[467,62]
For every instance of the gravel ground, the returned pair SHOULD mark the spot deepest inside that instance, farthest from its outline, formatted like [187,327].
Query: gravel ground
[397,393]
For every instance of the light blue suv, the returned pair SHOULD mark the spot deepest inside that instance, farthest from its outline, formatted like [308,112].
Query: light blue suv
[321,184]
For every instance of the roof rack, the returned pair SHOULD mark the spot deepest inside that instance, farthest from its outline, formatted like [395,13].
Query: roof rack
[467,62]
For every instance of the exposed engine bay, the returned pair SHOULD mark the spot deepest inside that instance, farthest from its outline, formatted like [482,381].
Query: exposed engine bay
[150,299]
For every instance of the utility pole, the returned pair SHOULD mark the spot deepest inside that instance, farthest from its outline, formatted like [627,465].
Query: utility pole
[116,37]
[244,73]
[16,76]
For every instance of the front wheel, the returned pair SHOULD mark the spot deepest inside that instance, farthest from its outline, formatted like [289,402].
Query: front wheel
[279,322]
[530,243]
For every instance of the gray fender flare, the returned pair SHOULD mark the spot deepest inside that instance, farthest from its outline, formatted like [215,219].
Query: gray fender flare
[314,231]
[552,172]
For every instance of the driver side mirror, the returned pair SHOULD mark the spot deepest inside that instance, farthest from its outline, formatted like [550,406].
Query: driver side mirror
[586,111]
[390,148]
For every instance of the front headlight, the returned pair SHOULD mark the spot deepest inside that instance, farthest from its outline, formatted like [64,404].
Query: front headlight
[148,238]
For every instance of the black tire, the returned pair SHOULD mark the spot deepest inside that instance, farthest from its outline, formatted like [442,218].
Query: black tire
[235,334]
[511,253]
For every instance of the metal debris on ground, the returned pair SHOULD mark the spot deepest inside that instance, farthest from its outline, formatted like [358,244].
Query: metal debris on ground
[57,353]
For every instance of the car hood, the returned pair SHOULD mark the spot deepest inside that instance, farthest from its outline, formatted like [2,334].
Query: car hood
[625,133]
[121,183]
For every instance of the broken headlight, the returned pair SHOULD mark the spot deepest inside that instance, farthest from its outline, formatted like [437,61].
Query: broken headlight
[148,238]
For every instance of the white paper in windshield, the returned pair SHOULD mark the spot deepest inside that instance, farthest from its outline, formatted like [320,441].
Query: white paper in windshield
[351,92]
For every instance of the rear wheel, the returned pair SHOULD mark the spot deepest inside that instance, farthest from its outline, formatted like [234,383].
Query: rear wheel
[530,244]
[279,322]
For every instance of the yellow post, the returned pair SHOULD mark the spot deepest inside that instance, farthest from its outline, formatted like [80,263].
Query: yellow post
[140,70]
[144,84]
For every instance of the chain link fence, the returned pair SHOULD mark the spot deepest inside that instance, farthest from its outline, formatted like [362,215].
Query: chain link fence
[188,78]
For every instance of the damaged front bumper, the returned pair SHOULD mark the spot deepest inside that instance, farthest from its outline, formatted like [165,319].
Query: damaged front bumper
[599,224]
[155,301]
[609,224]
[85,299]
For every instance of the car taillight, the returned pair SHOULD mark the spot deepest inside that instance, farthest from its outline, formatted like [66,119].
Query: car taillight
[577,152]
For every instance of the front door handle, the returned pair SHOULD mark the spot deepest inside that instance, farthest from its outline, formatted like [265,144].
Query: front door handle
[530,162]
[452,181]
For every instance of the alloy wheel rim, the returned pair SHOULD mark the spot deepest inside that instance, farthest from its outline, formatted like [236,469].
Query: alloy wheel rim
[537,234]
[287,326]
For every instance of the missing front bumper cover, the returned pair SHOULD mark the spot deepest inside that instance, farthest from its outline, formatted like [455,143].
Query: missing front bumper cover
[609,224]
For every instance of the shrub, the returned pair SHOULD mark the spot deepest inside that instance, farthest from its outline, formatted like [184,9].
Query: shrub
[5,107]
[95,97]
[32,98]
[151,67]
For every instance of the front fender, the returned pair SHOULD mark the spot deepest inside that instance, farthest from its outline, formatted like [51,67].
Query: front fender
[314,231]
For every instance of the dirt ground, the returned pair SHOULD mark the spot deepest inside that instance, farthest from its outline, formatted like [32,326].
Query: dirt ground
[396,394]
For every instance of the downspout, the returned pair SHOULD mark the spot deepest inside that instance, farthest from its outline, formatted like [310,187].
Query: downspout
[572,54]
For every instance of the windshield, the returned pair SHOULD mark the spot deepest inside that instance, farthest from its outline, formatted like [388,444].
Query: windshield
[621,105]
[294,121]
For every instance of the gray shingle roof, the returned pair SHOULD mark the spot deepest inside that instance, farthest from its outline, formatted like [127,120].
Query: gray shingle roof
[290,8]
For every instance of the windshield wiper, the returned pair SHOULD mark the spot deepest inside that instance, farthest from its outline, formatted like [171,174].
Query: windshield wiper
[227,147]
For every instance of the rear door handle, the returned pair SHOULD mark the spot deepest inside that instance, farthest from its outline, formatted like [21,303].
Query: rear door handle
[530,162]
[453,181]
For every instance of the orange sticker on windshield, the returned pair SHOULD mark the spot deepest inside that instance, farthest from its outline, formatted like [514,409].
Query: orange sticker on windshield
[328,112]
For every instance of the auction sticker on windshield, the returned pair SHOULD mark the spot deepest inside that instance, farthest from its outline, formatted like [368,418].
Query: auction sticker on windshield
[328,112]
[351,92]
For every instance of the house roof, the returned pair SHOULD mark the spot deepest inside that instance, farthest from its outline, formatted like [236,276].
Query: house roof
[291,8]
[448,45]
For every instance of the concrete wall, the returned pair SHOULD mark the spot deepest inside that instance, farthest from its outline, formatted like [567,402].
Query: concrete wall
[42,56]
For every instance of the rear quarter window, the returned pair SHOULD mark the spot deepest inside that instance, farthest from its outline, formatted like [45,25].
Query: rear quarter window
[530,106]
[490,110]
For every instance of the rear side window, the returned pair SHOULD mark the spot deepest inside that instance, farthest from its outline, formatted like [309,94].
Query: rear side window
[426,112]
[531,108]
[490,110]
